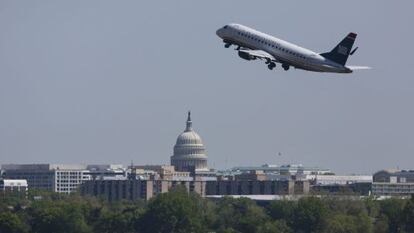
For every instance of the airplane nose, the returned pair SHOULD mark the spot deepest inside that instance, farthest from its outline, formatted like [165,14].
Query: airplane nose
[219,32]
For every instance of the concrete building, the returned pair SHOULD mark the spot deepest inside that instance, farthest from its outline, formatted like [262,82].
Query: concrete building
[61,178]
[256,187]
[251,175]
[105,171]
[350,189]
[288,169]
[393,183]
[13,186]
[161,172]
[189,151]
[336,179]
[115,190]
[339,184]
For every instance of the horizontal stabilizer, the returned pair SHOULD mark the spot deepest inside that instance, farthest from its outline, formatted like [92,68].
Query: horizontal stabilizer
[359,67]
[353,51]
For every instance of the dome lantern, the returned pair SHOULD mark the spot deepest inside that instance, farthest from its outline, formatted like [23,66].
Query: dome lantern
[189,126]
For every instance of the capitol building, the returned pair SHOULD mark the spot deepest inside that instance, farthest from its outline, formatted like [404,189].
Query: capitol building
[189,151]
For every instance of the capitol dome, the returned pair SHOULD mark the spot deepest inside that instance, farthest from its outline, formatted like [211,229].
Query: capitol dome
[189,151]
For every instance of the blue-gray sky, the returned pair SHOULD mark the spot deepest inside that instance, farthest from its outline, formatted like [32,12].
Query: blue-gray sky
[111,81]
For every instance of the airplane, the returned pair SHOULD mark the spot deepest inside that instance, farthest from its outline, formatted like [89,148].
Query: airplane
[252,44]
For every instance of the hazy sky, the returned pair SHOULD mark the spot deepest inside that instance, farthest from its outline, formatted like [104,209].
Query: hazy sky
[111,81]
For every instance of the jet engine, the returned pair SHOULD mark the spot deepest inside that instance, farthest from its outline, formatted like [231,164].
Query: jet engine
[246,56]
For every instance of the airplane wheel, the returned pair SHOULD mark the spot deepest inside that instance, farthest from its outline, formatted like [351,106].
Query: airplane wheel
[227,45]
[285,67]
[271,66]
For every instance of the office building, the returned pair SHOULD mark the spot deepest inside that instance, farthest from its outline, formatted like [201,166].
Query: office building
[8,186]
[393,183]
[336,179]
[161,172]
[61,178]
[288,169]
[130,189]
[256,187]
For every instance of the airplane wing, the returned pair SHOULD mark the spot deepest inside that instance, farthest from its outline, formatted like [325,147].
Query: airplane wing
[359,67]
[253,54]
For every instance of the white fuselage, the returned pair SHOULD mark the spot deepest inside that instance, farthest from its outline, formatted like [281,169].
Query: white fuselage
[283,51]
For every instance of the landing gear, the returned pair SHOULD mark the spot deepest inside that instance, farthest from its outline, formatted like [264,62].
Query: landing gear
[271,65]
[285,66]
[227,45]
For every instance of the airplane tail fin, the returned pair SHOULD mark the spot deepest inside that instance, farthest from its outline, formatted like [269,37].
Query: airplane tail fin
[341,52]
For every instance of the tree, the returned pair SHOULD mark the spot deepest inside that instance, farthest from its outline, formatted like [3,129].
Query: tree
[116,223]
[392,209]
[408,215]
[363,223]
[310,215]
[278,226]
[340,223]
[381,225]
[175,211]
[119,217]
[347,206]
[282,210]
[372,207]
[239,214]
[58,216]
[11,223]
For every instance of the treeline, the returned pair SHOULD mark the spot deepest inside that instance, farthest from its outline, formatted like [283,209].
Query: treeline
[179,211]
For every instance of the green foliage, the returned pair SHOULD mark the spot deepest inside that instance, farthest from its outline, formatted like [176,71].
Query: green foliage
[278,226]
[381,225]
[372,206]
[408,215]
[282,210]
[58,216]
[310,215]
[239,215]
[342,223]
[180,211]
[392,210]
[350,207]
[117,222]
[175,211]
[11,223]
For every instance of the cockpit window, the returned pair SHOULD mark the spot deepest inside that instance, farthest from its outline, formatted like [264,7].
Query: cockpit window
[225,27]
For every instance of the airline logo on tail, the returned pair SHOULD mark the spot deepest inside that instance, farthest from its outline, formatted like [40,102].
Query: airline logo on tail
[343,50]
